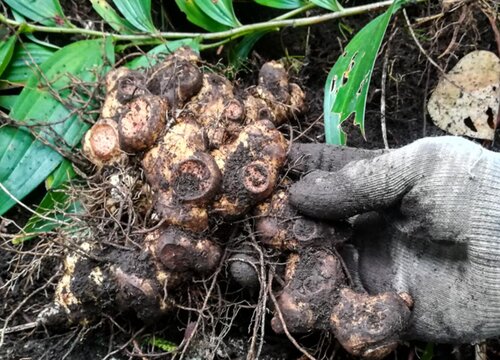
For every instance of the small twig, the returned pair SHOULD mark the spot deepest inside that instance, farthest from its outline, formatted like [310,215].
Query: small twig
[383,124]
[185,344]
[239,31]
[109,355]
[420,47]
[19,328]
[21,304]
[9,194]
[492,19]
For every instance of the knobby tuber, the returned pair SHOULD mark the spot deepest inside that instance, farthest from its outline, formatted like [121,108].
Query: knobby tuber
[211,154]
[317,293]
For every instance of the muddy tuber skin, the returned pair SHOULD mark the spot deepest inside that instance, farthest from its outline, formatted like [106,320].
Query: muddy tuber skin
[279,226]
[177,79]
[183,176]
[317,293]
[205,148]
[250,167]
[142,121]
[128,279]
[217,110]
[274,98]
[180,251]
[243,268]
[101,144]
[317,296]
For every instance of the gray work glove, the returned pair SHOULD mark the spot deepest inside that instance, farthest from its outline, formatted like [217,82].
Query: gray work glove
[439,235]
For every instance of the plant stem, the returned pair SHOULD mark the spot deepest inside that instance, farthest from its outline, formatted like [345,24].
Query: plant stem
[278,23]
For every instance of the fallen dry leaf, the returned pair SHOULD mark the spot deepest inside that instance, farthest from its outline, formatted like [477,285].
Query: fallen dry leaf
[466,100]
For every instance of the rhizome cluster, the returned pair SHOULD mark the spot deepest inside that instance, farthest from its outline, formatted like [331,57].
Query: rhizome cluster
[212,156]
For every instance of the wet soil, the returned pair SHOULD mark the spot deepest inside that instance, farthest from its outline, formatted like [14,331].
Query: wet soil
[410,78]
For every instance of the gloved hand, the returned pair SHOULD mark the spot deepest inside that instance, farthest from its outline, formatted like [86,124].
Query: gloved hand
[438,236]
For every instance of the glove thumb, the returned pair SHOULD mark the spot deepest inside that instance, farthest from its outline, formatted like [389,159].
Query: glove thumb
[360,186]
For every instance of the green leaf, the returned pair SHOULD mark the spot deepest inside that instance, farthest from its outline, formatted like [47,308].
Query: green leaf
[6,51]
[162,344]
[137,12]
[160,51]
[27,57]
[46,12]
[26,162]
[428,352]
[7,101]
[221,11]
[59,176]
[282,4]
[111,17]
[53,207]
[198,17]
[347,83]
[240,51]
[332,5]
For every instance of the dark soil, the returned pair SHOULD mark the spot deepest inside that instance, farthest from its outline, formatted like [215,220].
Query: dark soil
[410,79]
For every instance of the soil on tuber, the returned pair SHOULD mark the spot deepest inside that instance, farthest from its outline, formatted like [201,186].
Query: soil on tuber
[210,156]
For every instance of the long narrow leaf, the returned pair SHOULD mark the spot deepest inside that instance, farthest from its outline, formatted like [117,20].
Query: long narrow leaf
[62,174]
[7,101]
[137,12]
[332,5]
[282,4]
[26,58]
[6,51]
[221,11]
[24,161]
[240,51]
[196,16]
[111,17]
[53,207]
[347,83]
[156,53]
[46,12]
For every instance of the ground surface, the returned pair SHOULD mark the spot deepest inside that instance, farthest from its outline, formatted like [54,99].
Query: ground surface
[410,78]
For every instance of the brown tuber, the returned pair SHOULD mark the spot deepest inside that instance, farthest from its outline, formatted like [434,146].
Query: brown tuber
[369,325]
[177,79]
[316,296]
[250,167]
[219,158]
[127,279]
[180,251]
[274,98]
[279,226]
[183,176]
[141,122]
[244,269]
[101,144]
[217,110]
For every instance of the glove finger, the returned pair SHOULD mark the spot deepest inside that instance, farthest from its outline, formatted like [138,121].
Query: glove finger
[304,158]
[360,186]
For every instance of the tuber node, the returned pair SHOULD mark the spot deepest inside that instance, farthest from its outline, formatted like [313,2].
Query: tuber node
[234,111]
[141,123]
[176,80]
[243,272]
[369,325]
[256,178]
[129,86]
[101,144]
[196,179]
[179,251]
